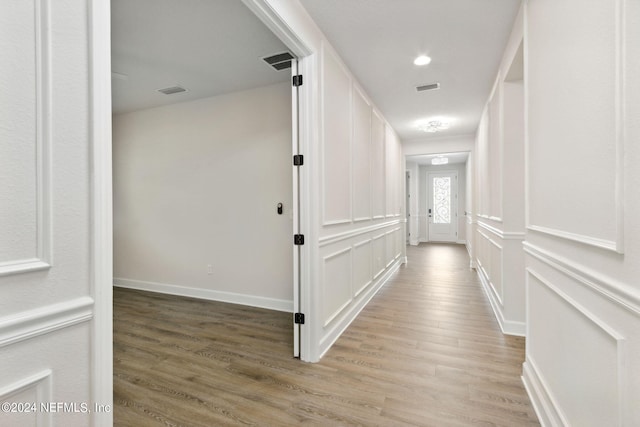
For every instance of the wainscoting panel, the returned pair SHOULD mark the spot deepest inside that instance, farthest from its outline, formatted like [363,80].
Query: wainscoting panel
[578,359]
[362,266]
[379,253]
[378,185]
[590,117]
[336,114]
[25,152]
[361,157]
[336,283]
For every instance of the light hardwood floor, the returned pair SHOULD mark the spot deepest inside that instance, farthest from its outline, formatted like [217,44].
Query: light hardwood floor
[426,351]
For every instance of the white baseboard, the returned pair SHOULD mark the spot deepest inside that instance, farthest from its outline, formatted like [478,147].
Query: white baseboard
[462,242]
[208,294]
[508,327]
[413,242]
[542,400]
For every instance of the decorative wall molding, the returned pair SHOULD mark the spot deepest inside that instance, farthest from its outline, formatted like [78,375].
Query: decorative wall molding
[620,88]
[580,238]
[335,238]
[543,401]
[207,294]
[504,235]
[620,341]
[618,293]
[355,308]
[43,320]
[41,382]
[42,257]
[357,247]
[349,298]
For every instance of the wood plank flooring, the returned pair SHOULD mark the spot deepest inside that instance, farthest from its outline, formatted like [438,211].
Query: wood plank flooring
[426,351]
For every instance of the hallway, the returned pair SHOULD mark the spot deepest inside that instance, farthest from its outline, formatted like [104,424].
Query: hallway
[426,351]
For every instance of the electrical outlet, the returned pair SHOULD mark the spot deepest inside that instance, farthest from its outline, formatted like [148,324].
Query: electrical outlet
[209,269]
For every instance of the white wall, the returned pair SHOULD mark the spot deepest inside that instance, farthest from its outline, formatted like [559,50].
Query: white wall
[47,282]
[196,184]
[583,235]
[423,195]
[498,161]
[362,227]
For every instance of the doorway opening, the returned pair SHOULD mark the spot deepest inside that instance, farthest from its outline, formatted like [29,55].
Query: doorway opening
[441,185]
[205,126]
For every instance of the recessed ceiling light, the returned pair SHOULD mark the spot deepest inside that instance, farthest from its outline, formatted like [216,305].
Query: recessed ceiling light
[422,60]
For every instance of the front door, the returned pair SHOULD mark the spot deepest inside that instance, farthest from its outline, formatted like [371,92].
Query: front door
[442,209]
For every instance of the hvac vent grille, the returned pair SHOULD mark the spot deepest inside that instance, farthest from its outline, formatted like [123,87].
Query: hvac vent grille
[432,86]
[279,61]
[172,90]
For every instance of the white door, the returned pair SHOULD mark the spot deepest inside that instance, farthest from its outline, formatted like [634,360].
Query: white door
[55,358]
[442,206]
[295,149]
[408,204]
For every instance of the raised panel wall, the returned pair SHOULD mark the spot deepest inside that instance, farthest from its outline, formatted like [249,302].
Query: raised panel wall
[378,183]
[337,122]
[24,153]
[577,104]
[361,157]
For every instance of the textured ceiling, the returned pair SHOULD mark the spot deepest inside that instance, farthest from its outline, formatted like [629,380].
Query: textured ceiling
[379,39]
[209,47]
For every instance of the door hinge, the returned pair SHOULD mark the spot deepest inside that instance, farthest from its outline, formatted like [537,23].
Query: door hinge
[298,239]
[298,160]
[297,80]
[298,318]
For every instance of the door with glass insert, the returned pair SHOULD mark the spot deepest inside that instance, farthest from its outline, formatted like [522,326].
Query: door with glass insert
[442,206]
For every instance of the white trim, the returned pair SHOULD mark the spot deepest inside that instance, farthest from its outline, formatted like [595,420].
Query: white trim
[101,240]
[620,340]
[42,383]
[269,17]
[207,294]
[43,320]
[23,266]
[508,327]
[616,292]
[543,401]
[504,235]
[580,238]
[368,242]
[335,238]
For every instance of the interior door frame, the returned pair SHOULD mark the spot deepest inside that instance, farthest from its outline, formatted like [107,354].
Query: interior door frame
[100,141]
[454,208]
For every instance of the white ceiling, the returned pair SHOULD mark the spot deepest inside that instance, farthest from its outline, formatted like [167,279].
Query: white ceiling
[454,158]
[379,39]
[209,47]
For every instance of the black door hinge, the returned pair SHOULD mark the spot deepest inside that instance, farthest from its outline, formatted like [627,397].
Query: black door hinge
[298,239]
[298,318]
[297,80]
[298,160]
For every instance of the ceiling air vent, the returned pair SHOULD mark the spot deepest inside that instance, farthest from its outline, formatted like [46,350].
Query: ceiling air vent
[432,86]
[172,90]
[279,61]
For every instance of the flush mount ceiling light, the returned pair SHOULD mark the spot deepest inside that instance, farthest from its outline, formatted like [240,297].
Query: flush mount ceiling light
[422,60]
[433,126]
[439,160]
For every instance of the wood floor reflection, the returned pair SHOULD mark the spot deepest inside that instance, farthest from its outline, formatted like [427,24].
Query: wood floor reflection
[425,352]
